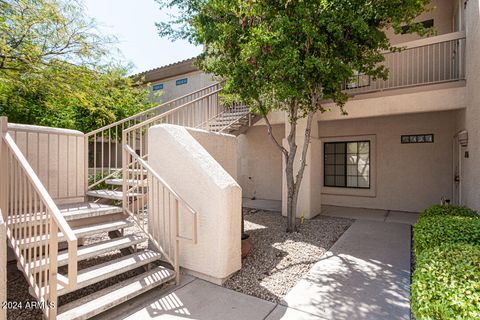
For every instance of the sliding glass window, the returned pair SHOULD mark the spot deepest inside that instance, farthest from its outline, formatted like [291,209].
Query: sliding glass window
[347,164]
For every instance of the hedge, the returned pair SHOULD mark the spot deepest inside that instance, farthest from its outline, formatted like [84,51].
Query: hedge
[446,283]
[450,210]
[432,231]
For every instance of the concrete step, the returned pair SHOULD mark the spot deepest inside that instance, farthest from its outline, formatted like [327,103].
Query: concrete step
[111,194]
[138,171]
[70,212]
[93,250]
[112,296]
[111,269]
[80,232]
[131,182]
[87,210]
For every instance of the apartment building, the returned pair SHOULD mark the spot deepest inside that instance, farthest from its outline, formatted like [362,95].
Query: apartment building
[406,143]
[175,80]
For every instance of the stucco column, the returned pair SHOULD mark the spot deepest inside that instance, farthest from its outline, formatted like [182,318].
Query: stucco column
[471,176]
[309,198]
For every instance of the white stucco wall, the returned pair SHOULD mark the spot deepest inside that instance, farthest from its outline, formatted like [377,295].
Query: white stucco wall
[405,177]
[471,122]
[442,14]
[57,157]
[213,193]
[450,96]
[260,163]
[222,147]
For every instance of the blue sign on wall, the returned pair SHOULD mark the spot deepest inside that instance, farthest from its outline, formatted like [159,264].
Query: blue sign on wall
[179,82]
[157,87]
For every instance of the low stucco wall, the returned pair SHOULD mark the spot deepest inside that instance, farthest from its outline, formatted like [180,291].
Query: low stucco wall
[260,163]
[57,157]
[405,177]
[210,190]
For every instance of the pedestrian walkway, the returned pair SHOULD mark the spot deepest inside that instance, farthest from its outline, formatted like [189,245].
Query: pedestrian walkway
[365,275]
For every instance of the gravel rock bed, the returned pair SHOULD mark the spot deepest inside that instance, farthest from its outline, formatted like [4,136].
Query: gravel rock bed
[278,259]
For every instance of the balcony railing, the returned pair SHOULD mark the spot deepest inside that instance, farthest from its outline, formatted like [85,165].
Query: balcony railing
[422,62]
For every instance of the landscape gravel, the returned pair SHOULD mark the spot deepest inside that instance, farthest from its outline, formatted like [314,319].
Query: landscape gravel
[278,259]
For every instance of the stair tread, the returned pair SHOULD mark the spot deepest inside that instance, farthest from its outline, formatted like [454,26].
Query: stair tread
[92,250]
[111,269]
[82,231]
[111,194]
[107,298]
[119,182]
[71,212]
[87,210]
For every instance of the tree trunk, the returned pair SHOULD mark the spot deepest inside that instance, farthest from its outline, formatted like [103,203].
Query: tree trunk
[293,182]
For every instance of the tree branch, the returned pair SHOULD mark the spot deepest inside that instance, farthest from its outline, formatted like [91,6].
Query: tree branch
[303,159]
[270,133]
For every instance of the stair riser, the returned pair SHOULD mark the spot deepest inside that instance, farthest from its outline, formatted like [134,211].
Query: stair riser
[108,298]
[63,257]
[62,291]
[81,234]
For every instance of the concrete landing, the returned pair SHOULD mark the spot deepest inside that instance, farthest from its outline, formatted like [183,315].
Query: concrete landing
[365,275]
[192,299]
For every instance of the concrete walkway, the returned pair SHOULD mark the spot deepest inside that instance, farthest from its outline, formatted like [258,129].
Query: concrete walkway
[365,275]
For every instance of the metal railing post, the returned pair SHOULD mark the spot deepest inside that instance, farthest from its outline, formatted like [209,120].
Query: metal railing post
[3,169]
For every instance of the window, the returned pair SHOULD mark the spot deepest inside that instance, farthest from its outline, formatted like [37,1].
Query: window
[179,82]
[347,164]
[425,24]
[157,87]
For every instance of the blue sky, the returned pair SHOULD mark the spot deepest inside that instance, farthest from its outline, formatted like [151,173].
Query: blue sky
[133,23]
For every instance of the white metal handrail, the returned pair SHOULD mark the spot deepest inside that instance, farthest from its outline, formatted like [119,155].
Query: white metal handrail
[104,155]
[421,62]
[156,209]
[34,225]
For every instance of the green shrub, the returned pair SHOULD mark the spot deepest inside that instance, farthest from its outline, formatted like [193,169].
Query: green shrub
[449,210]
[446,283]
[432,231]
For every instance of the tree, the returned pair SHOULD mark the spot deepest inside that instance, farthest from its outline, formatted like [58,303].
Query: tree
[55,68]
[290,55]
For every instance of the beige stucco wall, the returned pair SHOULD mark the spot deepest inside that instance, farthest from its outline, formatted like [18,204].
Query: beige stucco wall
[471,121]
[406,177]
[260,163]
[196,81]
[208,188]
[442,13]
[450,96]
[222,147]
[57,157]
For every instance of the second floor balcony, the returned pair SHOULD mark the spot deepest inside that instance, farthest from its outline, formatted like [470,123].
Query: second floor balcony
[421,62]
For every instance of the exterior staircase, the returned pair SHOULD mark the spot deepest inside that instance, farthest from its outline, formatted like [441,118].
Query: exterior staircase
[119,216]
[235,120]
